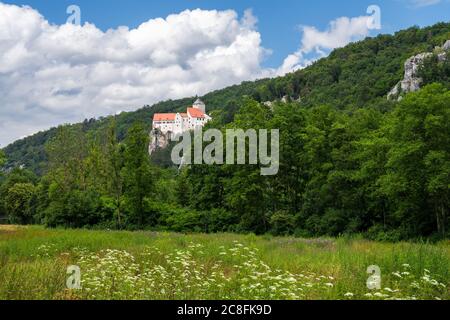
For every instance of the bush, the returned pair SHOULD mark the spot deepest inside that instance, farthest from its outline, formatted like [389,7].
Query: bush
[19,203]
[282,223]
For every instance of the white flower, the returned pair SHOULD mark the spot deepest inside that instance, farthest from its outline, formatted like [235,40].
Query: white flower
[349,295]
[381,295]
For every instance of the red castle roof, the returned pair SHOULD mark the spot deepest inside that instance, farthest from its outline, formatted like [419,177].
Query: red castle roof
[164,117]
[195,113]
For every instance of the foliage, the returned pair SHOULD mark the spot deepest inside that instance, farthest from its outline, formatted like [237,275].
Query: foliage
[434,70]
[340,172]
[136,173]
[417,176]
[2,158]
[19,203]
[22,208]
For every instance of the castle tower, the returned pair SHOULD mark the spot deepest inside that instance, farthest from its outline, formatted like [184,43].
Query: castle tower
[200,105]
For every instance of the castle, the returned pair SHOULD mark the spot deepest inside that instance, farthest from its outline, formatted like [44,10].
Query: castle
[168,125]
[172,124]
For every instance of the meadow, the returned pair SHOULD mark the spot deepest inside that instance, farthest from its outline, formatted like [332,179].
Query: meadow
[151,265]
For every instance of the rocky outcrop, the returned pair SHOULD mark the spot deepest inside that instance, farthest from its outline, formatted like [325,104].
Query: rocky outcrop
[442,56]
[158,140]
[446,46]
[268,104]
[411,81]
[285,99]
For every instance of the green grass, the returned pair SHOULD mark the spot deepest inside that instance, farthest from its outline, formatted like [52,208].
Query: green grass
[149,265]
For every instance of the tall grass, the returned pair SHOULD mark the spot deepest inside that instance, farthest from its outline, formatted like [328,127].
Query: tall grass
[149,265]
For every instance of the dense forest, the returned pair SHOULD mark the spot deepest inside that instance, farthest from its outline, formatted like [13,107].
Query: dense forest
[351,161]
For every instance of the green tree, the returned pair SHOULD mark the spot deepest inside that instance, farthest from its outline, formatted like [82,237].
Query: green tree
[2,158]
[2,162]
[73,199]
[67,153]
[183,191]
[137,175]
[417,179]
[19,203]
[16,176]
[115,161]
[247,192]
[434,70]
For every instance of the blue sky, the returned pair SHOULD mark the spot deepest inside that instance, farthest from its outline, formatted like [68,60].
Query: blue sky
[126,54]
[278,21]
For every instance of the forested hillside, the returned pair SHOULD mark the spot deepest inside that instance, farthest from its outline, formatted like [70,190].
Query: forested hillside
[351,161]
[359,75]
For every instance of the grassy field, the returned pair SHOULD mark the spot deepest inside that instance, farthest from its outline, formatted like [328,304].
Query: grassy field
[150,265]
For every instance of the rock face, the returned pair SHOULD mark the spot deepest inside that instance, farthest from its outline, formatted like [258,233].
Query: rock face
[446,46]
[411,81]
[158,140]
[268,104]
[442,56]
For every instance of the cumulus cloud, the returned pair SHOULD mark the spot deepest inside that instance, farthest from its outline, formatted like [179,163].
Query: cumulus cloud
[52,74]
[319,43]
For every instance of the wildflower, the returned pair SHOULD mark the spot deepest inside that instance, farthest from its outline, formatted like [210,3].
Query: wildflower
[380,295]
[348,295]
[434,282]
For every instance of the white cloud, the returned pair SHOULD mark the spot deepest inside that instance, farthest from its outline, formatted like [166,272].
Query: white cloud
[318,43]
[424,3]
[53,74]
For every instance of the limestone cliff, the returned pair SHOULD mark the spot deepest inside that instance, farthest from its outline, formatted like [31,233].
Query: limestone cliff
[411,81]
[446,46]
[158,140]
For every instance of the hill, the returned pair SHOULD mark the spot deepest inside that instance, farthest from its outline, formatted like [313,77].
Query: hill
[358,75]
